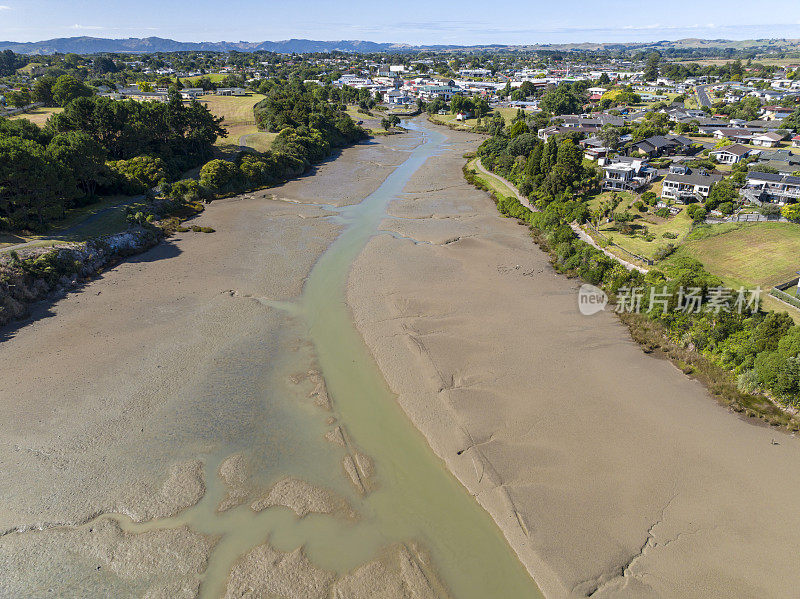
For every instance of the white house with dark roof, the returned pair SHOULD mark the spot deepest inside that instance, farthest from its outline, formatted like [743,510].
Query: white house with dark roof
[731,154]
[768,140]
[695,185]
[627,174]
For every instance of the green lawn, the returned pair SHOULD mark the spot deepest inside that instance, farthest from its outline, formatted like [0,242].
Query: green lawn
[627,199]
[214,77]
[680,225]
[493,183]
[104,217]
[508,115]
[749,254]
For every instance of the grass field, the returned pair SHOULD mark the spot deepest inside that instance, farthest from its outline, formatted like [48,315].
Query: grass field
[764,254]
[239,120]
[679,225]
[38,116]
[749,255]
[508,115]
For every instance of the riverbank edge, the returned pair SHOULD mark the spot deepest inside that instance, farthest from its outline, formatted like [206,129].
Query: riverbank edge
[45,274]
[651,335]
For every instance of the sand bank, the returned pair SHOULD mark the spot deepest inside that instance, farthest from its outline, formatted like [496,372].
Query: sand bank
[610,472]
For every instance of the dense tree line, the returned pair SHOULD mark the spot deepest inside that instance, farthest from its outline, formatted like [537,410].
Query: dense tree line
[97,143]
[540,170]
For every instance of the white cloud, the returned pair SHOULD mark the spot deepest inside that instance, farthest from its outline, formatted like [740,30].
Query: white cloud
[4,7]
[92,27]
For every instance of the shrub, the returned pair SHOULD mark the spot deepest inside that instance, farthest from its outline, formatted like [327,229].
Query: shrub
[664,252]
[138,175]
[220,176]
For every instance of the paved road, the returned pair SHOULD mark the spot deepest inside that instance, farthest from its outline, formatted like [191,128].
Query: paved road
[702,95]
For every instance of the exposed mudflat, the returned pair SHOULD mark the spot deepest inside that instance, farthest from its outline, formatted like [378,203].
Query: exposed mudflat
[155,430]
[609,471]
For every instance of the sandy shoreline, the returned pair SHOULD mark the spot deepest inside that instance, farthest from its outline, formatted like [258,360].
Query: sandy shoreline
[609,472]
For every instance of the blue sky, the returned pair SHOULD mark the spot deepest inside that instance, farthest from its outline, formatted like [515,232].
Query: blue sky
[413,21]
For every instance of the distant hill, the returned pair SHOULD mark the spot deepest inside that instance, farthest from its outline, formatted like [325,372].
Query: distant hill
[94,45]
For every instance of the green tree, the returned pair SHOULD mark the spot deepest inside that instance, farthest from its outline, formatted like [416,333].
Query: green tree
[67,88]
[82,156]
[609,135]
[20,98]
[561,100]
[42,91]
[219,175]
[722,192]
[651,66]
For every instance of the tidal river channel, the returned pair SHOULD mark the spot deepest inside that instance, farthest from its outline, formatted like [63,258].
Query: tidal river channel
[411,500]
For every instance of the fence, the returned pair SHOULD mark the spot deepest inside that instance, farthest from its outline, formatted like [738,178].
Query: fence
[605,239]
[750,217]
[779,292]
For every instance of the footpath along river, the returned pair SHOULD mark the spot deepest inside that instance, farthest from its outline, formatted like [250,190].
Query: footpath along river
[410,501]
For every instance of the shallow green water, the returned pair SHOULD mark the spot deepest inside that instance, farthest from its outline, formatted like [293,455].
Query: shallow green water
[416,498]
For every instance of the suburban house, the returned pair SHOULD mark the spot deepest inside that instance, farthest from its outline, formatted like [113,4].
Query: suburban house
[463,116]
[396,96]
[769,187]
[731,154]
[737,134]
[796,141]
[627,174]
[192,93]
[580,130]
[663,145]
[232,91]
[598,120]
[768,140]
[695,185]
[776,113]
[431,92]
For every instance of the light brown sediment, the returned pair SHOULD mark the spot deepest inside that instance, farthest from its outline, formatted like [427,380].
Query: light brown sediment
[302,498]
[399,573]
[610,473]
[159,563]
[233,472]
